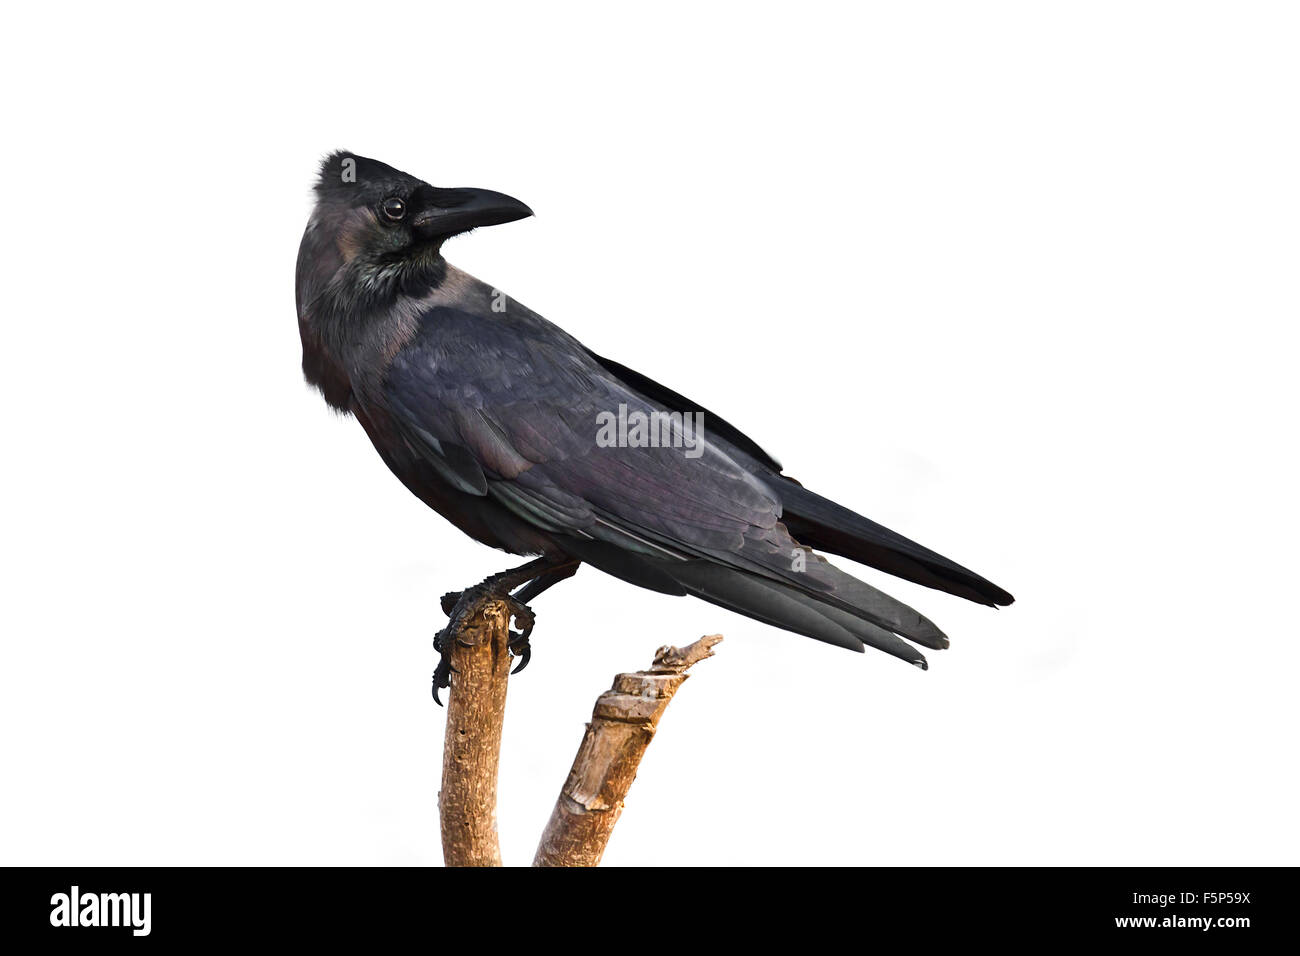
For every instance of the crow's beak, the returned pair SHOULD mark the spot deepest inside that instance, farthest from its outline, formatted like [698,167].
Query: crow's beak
[450,211]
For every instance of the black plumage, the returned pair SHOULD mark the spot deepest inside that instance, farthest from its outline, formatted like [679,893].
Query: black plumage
[491,415]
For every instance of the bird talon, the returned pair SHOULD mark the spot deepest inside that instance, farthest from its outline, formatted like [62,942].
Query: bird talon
[520,648]
[442,677]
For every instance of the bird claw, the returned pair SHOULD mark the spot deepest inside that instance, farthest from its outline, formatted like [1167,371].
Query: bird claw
[520,648]
[454,605]
[518,644]
[442,673]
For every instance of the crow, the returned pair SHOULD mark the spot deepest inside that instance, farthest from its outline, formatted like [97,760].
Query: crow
[528,441]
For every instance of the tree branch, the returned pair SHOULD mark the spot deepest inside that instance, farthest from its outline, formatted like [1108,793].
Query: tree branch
[471,751]
[622,725]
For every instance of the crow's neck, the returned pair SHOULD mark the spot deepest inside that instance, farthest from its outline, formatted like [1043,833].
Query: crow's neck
[353,314]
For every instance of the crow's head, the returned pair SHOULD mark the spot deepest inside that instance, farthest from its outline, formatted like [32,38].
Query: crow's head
[376,233]
[382,214]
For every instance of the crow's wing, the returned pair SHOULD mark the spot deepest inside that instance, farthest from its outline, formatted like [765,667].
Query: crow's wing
[720,430]
[817,521]
[509,407]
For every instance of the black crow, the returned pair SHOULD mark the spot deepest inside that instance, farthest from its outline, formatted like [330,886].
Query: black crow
[529,442]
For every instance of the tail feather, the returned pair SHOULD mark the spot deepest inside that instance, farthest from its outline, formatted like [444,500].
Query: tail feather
[821,523]
[875,636]
[788,608]
[860,600]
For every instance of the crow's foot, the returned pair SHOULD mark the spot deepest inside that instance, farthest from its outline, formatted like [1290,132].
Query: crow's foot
[459,606]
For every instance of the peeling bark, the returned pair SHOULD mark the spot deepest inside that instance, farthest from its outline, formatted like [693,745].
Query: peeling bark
[622,725]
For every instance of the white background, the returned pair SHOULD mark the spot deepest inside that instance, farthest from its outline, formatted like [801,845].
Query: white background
[1018,280]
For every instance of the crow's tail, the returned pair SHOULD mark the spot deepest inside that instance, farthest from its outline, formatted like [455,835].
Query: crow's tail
[794,609]
[822,524]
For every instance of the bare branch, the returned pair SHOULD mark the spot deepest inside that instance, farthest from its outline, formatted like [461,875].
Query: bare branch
[622,725]
[471,750]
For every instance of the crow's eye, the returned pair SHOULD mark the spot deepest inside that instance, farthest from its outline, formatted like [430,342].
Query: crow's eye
[393,208]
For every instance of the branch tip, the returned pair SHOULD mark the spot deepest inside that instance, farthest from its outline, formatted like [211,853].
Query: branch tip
[679,659]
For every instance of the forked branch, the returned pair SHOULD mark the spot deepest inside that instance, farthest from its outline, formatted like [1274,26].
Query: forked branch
[622,726]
